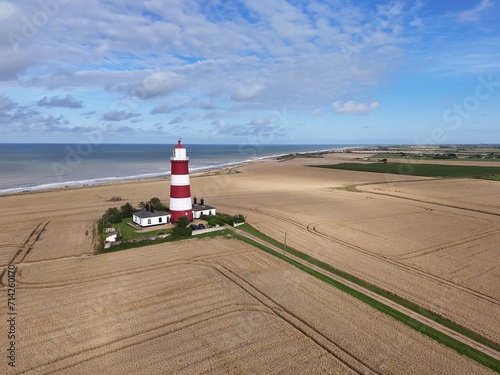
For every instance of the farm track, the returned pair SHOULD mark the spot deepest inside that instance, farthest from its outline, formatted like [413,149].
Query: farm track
[402,266]
[424,201]
[405,267]
[26,247]
[64,283]
[447,245]
[344,356]
[410,313]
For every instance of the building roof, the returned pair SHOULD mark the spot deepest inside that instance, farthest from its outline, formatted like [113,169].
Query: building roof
[199,207]
[143,214]
[179,144]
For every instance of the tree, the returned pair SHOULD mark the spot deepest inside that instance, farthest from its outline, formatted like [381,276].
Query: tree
[154,202]
[127,210]
[183,222]
[112,211]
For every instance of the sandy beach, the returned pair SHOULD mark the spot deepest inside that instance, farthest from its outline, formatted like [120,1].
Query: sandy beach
[225,307]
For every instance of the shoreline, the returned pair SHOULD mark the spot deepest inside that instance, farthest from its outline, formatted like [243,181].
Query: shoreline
[197,172]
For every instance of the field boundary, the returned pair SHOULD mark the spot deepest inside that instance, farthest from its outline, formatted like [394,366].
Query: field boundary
[462,348]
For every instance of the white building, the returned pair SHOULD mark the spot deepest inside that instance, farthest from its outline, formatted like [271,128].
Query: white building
[146,218]
[202,209]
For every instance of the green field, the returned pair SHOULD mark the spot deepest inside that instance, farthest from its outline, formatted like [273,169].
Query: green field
[460,157]
[425,170]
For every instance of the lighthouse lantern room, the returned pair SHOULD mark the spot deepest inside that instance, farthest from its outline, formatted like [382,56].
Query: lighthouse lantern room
[180,190]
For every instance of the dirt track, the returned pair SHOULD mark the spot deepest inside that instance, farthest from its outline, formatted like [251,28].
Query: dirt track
[431,323]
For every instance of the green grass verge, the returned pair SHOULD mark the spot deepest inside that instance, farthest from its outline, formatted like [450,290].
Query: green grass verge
[456,345]
[426,170]
[493,178]
[393,297]
[129,233]
[133,245]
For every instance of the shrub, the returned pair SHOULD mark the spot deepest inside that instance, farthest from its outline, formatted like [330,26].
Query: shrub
[214,221]
[112,219]
[182,222]
[182,232]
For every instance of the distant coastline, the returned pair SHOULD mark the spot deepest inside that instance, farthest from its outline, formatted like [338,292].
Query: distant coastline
[42,167]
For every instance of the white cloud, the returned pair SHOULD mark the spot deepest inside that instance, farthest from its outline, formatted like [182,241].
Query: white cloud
[318,112]
[352,107]
[7,10]
[158,83]
[247,93]
[119,115]
[474,14]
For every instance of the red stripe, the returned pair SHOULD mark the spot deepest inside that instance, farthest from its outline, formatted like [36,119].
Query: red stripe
[180,191]
[175,215]
[180,167]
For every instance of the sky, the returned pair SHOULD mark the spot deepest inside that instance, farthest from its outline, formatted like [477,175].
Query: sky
[252,71]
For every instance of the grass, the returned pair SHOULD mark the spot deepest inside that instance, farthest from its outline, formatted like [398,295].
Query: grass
[493,178]
[130,233]
[426,170]
[351,188]
[436,335]
[133,245]
[401,301]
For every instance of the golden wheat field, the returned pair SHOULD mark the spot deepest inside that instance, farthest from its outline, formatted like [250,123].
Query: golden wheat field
[200,306]
[221,306]
[384,238]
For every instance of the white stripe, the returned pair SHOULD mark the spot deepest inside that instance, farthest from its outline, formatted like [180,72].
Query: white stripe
[179,179]
[180,204]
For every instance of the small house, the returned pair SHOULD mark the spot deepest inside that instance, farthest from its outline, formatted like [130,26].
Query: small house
[202,209]
[149,217]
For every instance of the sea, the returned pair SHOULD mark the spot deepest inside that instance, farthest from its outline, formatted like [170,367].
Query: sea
[27,167]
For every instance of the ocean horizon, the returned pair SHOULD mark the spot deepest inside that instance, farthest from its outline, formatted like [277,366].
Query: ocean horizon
[41,166]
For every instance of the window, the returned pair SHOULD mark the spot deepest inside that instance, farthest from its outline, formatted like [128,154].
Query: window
[159,219]
[149,221]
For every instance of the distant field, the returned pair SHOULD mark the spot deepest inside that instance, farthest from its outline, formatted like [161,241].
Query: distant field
[390,155]
[427,170]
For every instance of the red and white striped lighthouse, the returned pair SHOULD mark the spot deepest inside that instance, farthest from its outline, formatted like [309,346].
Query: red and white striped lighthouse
[180,191]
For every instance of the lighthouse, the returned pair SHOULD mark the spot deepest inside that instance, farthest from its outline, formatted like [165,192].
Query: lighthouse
[180,191]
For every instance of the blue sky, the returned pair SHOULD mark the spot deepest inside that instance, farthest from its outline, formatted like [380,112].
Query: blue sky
[319,72]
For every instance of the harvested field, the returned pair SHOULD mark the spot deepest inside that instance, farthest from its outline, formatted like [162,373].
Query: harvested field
[214,305]
[430,241]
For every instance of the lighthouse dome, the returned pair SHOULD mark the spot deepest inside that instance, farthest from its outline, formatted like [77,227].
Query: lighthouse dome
[179,152]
